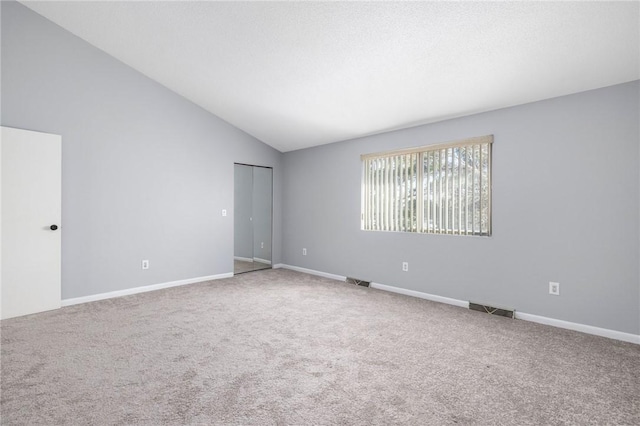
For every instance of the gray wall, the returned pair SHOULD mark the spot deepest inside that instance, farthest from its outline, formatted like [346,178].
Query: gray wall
[146,173]
[243,210]
[565,208]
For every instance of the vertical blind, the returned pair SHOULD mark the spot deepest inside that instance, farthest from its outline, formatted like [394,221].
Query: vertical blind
[391,194]
[440,189]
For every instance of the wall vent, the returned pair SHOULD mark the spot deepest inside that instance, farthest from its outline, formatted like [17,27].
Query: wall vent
[503,312]
[357,281]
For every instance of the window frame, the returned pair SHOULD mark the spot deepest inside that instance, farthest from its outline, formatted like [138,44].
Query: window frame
[422,153]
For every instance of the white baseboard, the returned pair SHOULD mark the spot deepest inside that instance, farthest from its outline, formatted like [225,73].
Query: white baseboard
[421,295]
[310,272]
[588,329]
[257,259]
[244,259]
[143,289]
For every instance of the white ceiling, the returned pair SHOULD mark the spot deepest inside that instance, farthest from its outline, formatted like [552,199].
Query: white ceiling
[299,74]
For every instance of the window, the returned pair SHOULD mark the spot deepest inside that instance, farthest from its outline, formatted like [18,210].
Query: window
[438,189]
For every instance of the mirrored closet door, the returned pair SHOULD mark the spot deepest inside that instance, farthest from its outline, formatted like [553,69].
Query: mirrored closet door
[253,196]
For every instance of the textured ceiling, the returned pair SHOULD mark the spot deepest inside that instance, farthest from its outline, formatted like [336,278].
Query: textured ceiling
[299,74]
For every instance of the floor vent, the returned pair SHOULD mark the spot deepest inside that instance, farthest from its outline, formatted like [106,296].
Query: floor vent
[356,281]
[503,312]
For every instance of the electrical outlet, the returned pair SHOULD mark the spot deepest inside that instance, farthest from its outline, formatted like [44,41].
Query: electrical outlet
[224,212]
[262,245]
[304,251]
[554,288]
[405,266]
[145,264]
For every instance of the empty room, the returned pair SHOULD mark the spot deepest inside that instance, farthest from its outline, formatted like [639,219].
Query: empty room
[319,213]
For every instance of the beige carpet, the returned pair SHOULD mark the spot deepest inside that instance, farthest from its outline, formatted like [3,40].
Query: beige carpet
[280,347]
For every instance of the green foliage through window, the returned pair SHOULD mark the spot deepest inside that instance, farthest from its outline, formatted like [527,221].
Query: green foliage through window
[443,189]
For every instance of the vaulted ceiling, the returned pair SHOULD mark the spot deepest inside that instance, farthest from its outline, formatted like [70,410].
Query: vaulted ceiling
[300,74]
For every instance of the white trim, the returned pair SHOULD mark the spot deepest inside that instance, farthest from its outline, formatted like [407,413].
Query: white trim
[311,272]
[589,329]
[143,289]
[477,140]
[244,259]
[257,259]
[421,295]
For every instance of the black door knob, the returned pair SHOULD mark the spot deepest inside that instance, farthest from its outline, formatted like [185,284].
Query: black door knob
[53,227]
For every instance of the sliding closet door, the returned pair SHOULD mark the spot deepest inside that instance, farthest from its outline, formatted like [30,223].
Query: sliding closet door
[253,217]
[262,211]
[243,213]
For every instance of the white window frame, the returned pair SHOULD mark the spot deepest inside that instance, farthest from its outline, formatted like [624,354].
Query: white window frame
[381,209]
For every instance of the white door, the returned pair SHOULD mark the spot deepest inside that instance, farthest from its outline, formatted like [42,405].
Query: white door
[30,226]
